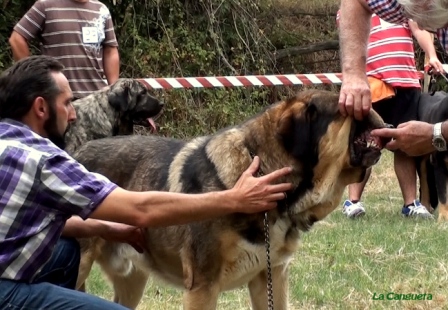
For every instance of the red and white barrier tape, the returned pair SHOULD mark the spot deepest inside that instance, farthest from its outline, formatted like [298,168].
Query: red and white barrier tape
[241,81]
[244,80]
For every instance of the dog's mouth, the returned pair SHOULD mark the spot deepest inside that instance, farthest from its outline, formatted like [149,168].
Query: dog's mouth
[365,149]
[152,124]
[148,121]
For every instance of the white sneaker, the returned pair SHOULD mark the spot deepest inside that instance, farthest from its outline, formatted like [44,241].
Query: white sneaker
[353,210]
[417,210]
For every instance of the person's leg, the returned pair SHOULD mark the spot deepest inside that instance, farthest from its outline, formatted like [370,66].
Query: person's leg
[62,268]
[405,169]
[355,190]
[407,177]
[353,207]
[46,296]
[404,108]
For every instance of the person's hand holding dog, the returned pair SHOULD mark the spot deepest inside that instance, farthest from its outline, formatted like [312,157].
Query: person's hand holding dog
[414,137]
[355,97]
[257,194]
[117,232]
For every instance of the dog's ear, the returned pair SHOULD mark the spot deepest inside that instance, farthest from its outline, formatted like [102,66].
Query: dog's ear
[295,130]
[121,96]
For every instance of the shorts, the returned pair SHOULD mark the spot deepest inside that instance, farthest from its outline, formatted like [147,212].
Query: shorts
[401,108]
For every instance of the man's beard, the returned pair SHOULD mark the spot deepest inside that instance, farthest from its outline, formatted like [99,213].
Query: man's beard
[51,128]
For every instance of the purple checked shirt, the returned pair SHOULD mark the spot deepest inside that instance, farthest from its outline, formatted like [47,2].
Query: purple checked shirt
[392,12]
[41,186]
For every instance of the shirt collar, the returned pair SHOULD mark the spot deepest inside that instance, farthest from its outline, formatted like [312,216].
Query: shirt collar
[11,121]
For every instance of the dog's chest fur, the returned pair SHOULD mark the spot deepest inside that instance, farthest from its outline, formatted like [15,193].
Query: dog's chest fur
[243,260]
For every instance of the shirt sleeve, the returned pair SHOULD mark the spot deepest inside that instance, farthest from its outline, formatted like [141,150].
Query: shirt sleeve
[68,187]
[32,22]
[442,36]
[109,32]
[389,10]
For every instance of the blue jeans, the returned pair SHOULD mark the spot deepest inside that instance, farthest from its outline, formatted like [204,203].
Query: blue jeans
[54,287]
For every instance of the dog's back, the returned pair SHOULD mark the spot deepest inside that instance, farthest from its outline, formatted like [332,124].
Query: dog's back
[433,108]
[127,160]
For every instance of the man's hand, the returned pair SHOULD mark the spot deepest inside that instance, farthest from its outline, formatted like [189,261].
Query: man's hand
[117,232]
[414,137]
[354,98]
[257,194]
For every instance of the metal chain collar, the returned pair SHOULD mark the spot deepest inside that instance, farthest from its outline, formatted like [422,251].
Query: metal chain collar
[267,244]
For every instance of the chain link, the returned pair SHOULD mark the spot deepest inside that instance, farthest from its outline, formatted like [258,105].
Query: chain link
[268,262]
[267,244]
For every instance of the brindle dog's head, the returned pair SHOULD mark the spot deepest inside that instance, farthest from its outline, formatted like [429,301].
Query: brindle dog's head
[136,105]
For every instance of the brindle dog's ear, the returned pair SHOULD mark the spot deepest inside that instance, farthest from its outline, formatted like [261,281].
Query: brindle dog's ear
[295,130]
[121,97]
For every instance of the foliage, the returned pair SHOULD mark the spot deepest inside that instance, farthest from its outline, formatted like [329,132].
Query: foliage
[174,38]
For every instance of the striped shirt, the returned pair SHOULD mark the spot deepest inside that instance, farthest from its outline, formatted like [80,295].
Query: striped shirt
[74,33]
[391,11]
[390,54]
[41,186]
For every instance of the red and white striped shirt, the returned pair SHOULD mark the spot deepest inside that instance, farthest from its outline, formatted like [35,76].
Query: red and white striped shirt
[390,54]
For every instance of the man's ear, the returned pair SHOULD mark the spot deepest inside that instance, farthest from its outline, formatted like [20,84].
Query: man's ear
[40,108]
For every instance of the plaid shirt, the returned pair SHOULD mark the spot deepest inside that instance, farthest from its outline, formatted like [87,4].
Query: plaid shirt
[41,186]
[392,12]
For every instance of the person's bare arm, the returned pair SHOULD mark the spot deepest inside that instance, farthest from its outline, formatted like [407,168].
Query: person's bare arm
[142,209]
[426,42]
[111,63]
[76,227]
[354,28]
[19,46]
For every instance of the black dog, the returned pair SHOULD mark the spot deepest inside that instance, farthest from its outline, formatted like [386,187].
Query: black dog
[433,168]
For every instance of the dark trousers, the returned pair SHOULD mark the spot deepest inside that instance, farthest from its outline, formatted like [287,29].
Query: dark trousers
[54,287]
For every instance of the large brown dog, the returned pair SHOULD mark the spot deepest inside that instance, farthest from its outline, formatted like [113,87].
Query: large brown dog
[326,150]
[112,111]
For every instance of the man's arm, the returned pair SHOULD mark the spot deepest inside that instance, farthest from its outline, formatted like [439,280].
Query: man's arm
[76,227]
[142,209]
[354,28]
[111,63]
[426,42]
[19,46]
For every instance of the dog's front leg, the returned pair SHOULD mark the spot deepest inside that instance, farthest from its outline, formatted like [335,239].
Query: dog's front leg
[441,177]
[204,297]
[258,289]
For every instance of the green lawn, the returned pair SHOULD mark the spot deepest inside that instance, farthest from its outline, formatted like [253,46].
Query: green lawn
[342,263]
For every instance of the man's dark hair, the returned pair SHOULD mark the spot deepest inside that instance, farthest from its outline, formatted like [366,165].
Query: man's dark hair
[26,80]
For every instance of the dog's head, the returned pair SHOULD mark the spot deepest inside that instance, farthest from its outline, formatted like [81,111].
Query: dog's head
[329,150]
[312,129]
[135,104]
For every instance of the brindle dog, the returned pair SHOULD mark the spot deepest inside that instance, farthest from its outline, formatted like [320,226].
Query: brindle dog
[112,111]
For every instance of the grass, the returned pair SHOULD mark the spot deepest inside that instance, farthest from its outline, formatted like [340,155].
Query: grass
[342,262]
